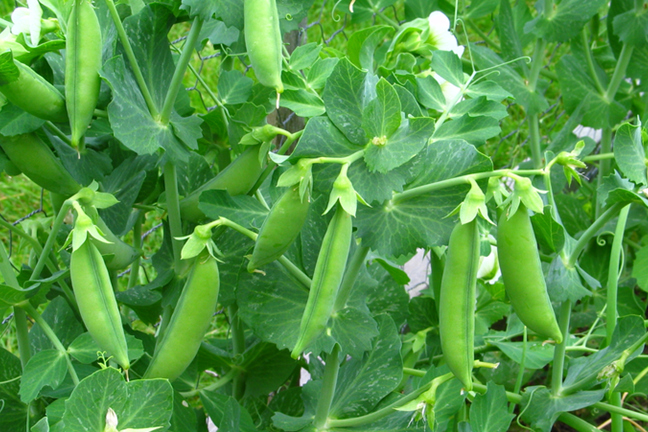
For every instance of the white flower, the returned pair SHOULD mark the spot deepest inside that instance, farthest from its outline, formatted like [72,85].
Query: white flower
[440,36]
[28,21]
[450,91]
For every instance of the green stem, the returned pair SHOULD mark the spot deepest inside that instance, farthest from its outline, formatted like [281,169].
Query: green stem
[58,132]
[388,20]
[229,376]
[49,244]
[534,140]
[139,77]
[613,274]
[590,63]
[604,166]
[238,348]
[559,352]
[173,207]
[328,388]
[577,423]
[618,410]
[350,277]
[518,382]
[137,244]
[617,419]
[536,64]
[52,337]
[591,232]
[181,68]
[619,71]
[598,157]
[271,165]
[483,35]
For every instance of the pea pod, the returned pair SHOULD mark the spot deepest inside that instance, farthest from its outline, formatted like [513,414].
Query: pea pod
[457,301]
[522,274]
[237,179]
[82,63]
[35,159]
[263,41]
[96,299]
[118,254]
[280,228]
[327,277]
[26,89]
[189,322]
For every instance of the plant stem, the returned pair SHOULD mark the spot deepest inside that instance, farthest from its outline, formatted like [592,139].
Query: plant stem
[518,382]
[483,35]
[536,63]
[139,77]
[619,71]
[559,351]
[604,166]
[271,165]
[52,337]
[350,276]
[598,157]
[534,140]
[328,388]
[618,410]
[617,419]
[613,274]
[49,244]
[591,232]
[173,208]
[137,244]
[181,68]
[590,63]
[215,386]
[238,348]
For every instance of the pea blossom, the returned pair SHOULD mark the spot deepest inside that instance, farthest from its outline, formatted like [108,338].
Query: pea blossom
[28,21]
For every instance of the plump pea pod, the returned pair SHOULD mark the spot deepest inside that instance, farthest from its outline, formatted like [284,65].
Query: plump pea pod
[263,41]
[327,277]
[522,274]
[26,89]
[189,322]
[82,63]
[280,228]
[96,299]
[237,179]
[35,159]
[117,254]
[457,301]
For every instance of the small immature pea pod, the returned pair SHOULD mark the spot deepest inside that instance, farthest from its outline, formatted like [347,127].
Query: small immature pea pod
[457,301]
[237,179]
[96,299]
[263,41]
[26,89]
[82,64]
[327,277]
[35,159]
[118,254]
[522,274]
[280,228]
[189,322]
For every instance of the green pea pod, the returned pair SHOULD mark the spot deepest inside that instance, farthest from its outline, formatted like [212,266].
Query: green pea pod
[280,228]
[26,89]
[457,301]
[35,159]
[117,254]
[189,322]
[522,274]
[237,179]
[327,277]
[263,41]
[96,299]
[82,63]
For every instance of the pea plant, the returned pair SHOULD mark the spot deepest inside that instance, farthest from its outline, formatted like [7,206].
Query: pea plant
[231,189]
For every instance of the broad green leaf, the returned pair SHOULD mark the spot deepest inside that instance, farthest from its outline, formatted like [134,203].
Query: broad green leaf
[309,395]
[549,233]
[45,368]
[448,65]
[184,416]
[226,413]
[475,130]
[249,115]
[363,382]
[62,320]
[489,89]
[629,153]
[304,56]
[138,404]
[363,44]
[244,210]
[14,411]
[303,102]
[408,102]
[322,138]
[477,107]
[382,115]
[538,355]
[15,121]
[631,27]
[541,408]
[489,412]
[564,21]
[430,94]
[563,283]
[510,42]
[233,87]
[91,165]
[449,400]
[218,33]
[640,268]
[266,368]
[85,349]
[616,189]
[480,8]
[318,74]
[205,9]
[9,72]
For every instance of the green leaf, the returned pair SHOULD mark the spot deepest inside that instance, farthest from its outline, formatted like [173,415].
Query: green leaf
[430,94]
[409,105]
[629,153]
[218,33]
[305,56]
[565,21]
[322,138]
[226,413]
[489,412]
[564,284]
[14,411]
[233,87]
[475,130]
[480,106]
[318,74]
[542,408]
[363,382]
[449,400]
[616,189]
[85,349]
[244,210]
[382,115]
[305,103]
[549,233]
[45,368]
[138,404]
[62,320]
[363,44]
[202,8]
[640,268]
[488,89]
[15,121]
[510,42]
[266,368]
[538,355]
[631,27]
[448,65]
[9,72]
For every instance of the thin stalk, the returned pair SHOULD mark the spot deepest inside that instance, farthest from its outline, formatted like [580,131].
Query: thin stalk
[173,207]
[58,132]
[598,157]
[604,166]
[180,69]
[559,352]
[618,410]
[271,165]
[388,20]
[229,376]
[137,244]
[350,276]
[518,381]
[619,71]
[550,195]
[534,140]
[536,63]
[328,388]
[238,348]
[613,274]
[591,232]
[617,419]
[52,337]
[49,244]
[590,63]
[139,77]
